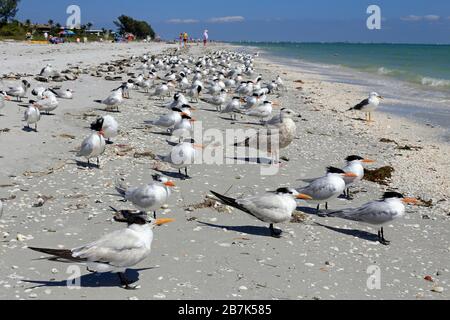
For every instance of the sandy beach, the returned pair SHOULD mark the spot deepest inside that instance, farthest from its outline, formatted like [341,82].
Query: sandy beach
[213,253]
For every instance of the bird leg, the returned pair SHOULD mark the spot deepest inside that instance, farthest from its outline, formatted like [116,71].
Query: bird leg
[318,208]
[275,233]
[348,195]
[326,205]
[98,162]
[125,282]
[35,127]
[186,173]
[154,215]
[381,238]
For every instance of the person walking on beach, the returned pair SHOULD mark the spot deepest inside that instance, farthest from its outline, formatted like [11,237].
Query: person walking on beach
[205,38]
[181,39]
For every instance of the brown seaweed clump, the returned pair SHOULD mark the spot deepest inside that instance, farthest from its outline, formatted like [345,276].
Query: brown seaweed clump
[381,176]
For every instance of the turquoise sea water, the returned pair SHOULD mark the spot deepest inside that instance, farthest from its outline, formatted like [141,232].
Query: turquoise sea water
[417,77]
[425,65]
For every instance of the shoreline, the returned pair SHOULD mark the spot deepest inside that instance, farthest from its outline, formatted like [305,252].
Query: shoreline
[437,114]
[318,258]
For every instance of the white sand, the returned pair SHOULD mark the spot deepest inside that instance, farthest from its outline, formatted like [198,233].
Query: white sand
[191,260]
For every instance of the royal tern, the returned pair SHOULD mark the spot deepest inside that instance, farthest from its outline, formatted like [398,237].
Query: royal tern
[150,197]
[261,112]
[167,121]
[273,207]
[182,156]
[178,100]
[184,128]
[113,100]
[93,147]
[161,91]
[218,100]
[369,105]
[378,213]
[330,186]
[108,125]
[32,116]
[19,91]
[48,103]
[115,252]
[194,93]
[3,97]
[233,107]
[354,165]
[63,94]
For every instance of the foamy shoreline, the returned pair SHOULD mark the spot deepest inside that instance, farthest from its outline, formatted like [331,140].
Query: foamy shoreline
[206,249]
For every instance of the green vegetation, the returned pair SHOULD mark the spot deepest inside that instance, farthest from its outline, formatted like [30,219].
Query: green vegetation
[140,29]
[8,10]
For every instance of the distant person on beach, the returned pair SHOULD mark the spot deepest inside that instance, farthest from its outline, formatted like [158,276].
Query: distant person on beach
[205,38]
[181,39]
[185,38]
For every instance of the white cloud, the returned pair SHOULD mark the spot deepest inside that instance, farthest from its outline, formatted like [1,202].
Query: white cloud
[432,17]
[229,19]
[411,18]
[182,21]
[428,17]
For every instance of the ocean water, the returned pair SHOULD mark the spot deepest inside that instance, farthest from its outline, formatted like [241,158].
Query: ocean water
[418,75]
[427,65]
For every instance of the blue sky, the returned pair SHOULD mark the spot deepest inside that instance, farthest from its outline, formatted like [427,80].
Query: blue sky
[415,21]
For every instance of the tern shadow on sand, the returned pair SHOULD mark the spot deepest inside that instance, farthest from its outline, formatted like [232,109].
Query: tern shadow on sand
[265,161]
[251,230]
[353,233]
[91,280]
[84,164]
[173,175]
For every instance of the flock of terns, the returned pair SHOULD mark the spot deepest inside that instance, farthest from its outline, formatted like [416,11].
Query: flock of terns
[228,81]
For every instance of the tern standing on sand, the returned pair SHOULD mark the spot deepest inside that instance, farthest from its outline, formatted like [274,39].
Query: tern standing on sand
[354,165]
[150,197]
[115,252]
[93,147]
[328,187]
[108,125]
[378,213]
[273,207]
[3,97]
[32,116]
[19,91]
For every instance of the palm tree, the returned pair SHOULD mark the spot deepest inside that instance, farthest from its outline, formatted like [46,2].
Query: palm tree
[89,25]
[50,23]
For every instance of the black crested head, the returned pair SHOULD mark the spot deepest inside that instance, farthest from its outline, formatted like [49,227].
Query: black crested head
[284,190]
[354,158]
[335,170]
[97,125]
[199,89]
[156,177]
[177,110]
[186,106]
[190,140]
[392,195]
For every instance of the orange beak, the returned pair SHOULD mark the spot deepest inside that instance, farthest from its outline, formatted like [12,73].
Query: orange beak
[304,197]
[351,175]
[102,133]
[199,146]
[368,161]
[169,184]
[411,201]
[276,104]
[7,98]
[160,222]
